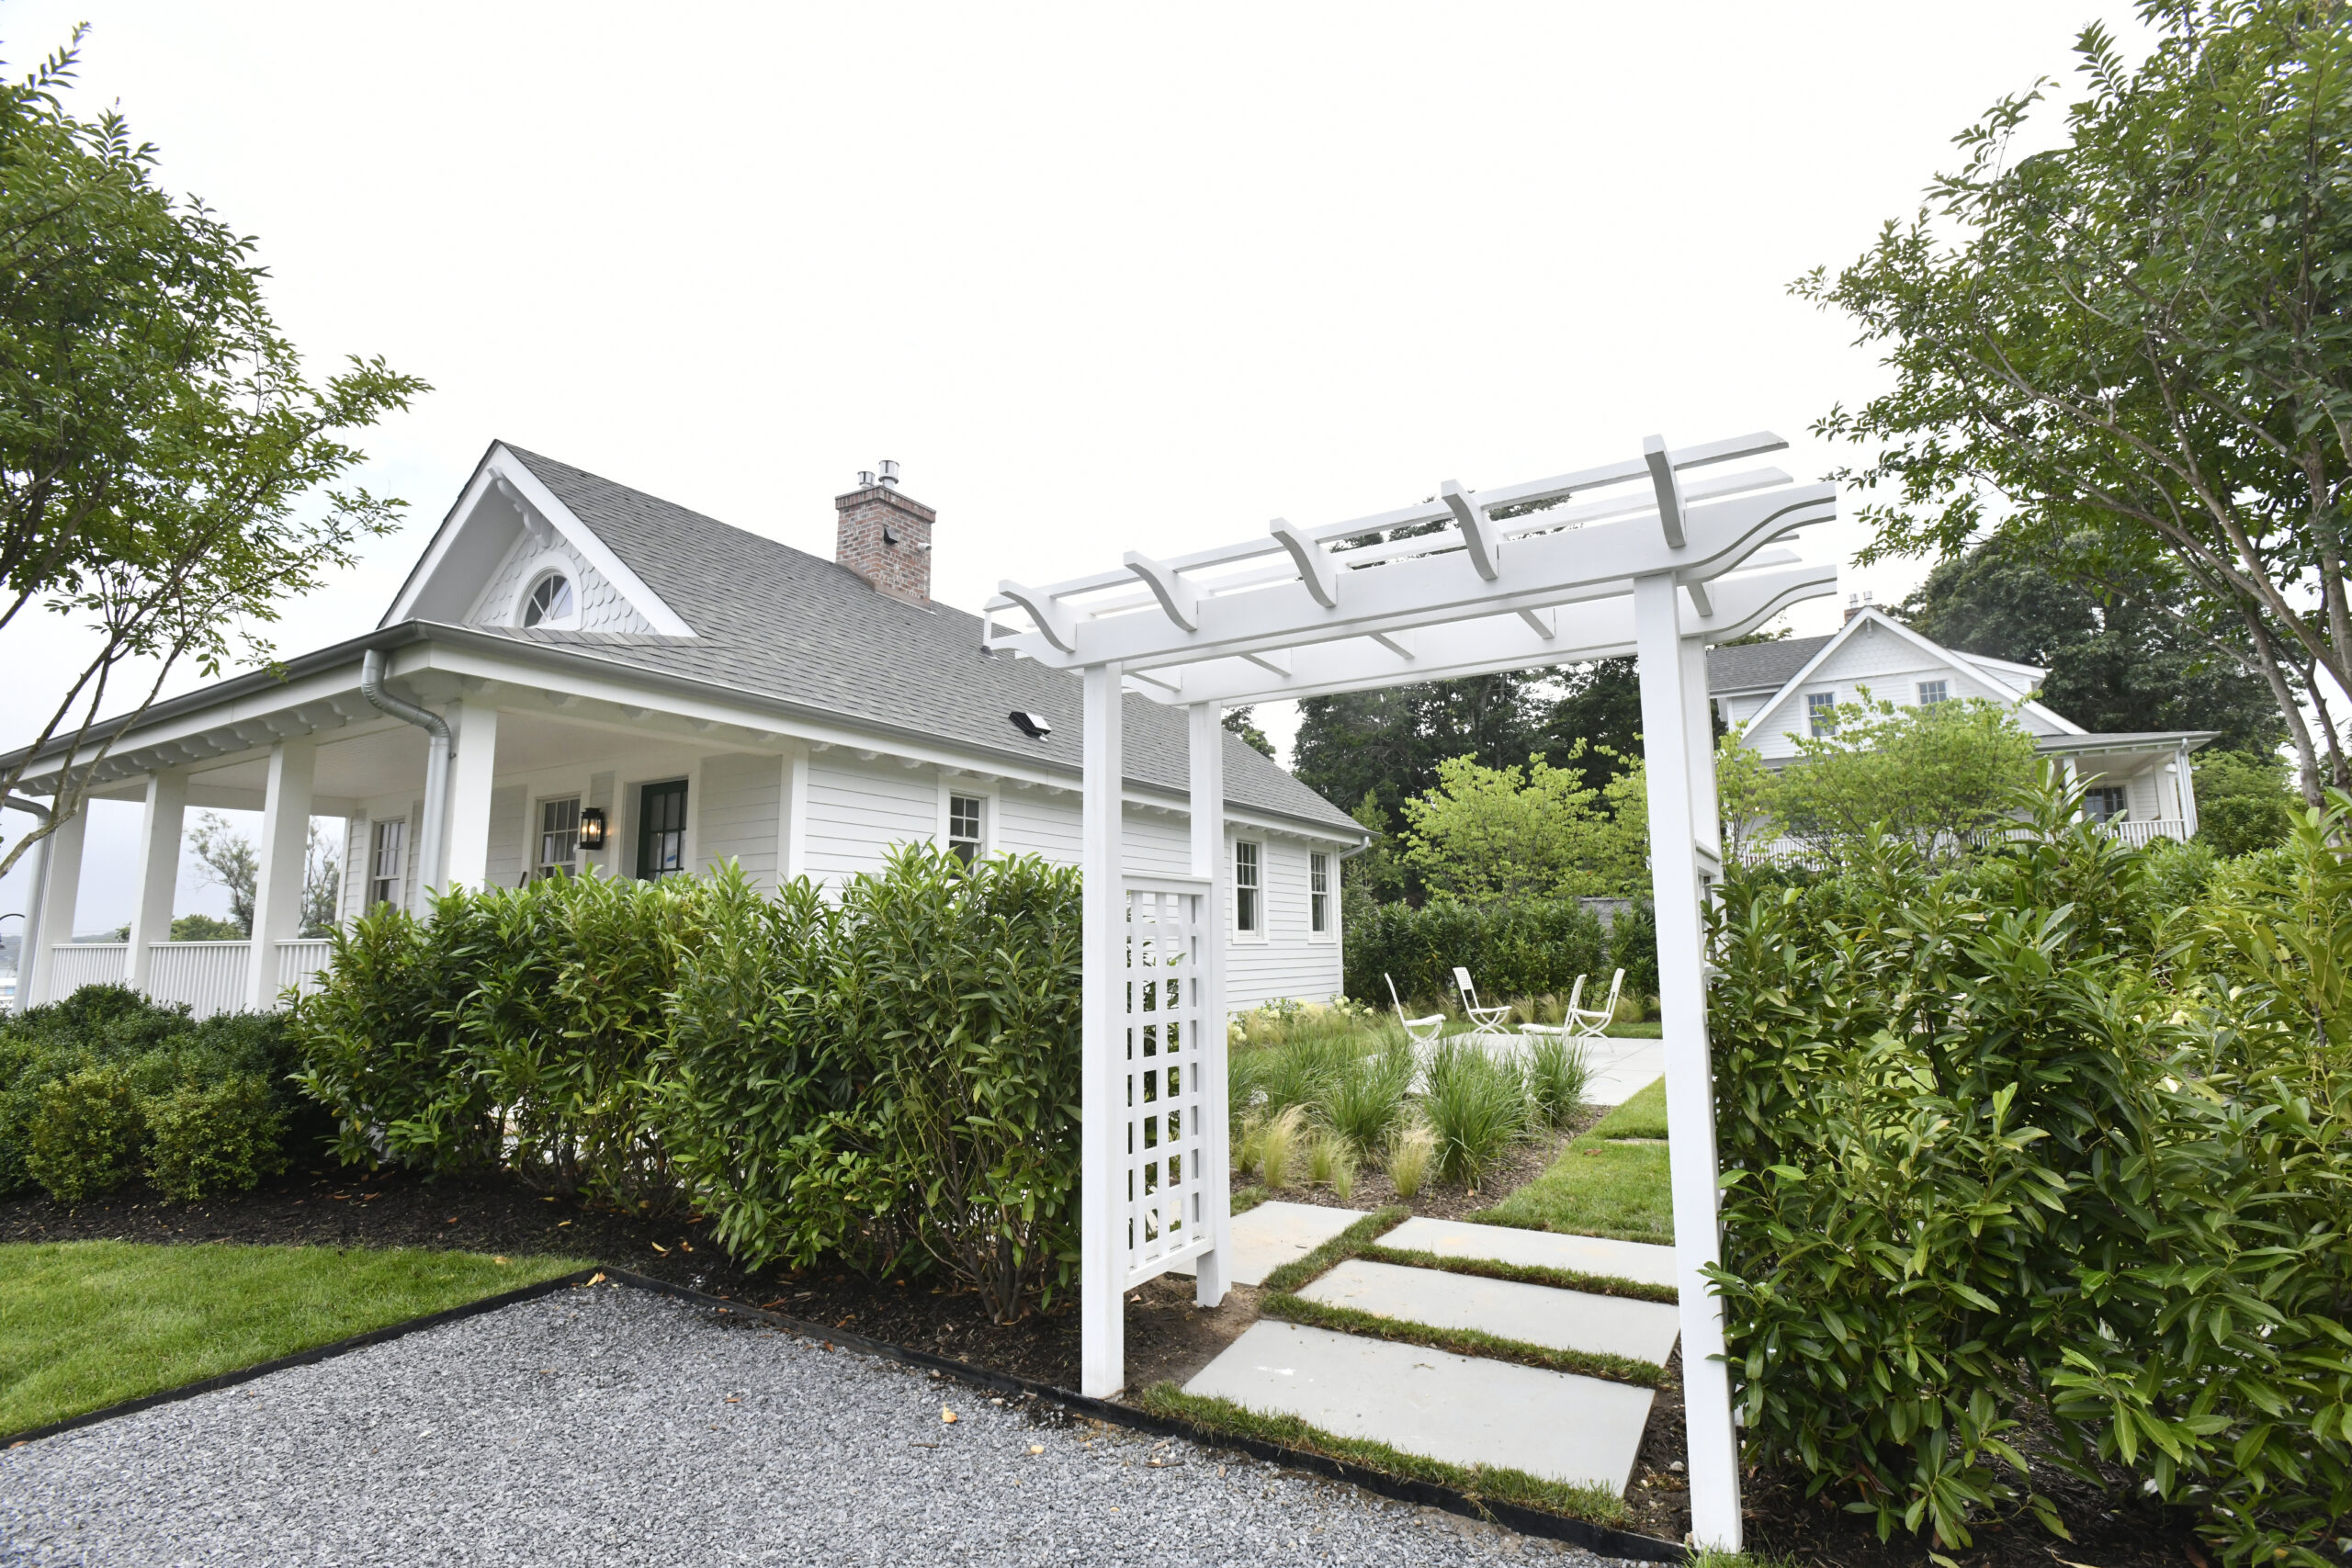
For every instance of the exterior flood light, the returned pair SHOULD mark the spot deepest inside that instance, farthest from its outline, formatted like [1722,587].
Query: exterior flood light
[1032,724]
[591,827]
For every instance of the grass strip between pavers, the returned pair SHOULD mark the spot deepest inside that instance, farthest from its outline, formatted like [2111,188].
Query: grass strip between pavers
[1524,1273]
[1362,1240]
[1494,1484]
[1475,1342]
[1642,1116]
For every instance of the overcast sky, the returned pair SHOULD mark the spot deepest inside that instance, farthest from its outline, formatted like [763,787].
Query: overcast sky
[1099,277]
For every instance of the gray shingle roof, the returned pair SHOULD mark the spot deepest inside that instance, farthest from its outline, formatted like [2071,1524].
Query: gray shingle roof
[786,624]
[1760,665]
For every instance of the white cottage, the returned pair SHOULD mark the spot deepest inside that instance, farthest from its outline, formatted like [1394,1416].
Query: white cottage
[1770,693]
[578,676]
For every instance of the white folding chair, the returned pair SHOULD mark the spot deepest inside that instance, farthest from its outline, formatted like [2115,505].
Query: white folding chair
[1568,1019]
[1590,1022]
[1483,1020]
[1420,1031]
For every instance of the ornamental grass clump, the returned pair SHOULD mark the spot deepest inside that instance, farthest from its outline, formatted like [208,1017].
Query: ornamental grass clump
[1410,1149]
[1476,1106]
[1364,1105]
[1555,1079]
[1278,1144]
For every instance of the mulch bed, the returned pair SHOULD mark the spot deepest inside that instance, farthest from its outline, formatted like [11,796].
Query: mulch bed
[1166,1336]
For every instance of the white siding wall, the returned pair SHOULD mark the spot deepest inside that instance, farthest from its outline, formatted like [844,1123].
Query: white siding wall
[1031,822]
[508,835]
[741,795]
[857,810]
[1290,960]
[1892,666]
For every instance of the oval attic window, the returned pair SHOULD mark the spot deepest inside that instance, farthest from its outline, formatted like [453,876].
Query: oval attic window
[550,602]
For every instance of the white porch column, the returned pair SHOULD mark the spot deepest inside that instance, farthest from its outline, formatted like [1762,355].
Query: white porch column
[1206,735]
[60,889]
[1679,774]
[1102,1247]
[2184,785]
[282,855]
[159,871]
[473,728]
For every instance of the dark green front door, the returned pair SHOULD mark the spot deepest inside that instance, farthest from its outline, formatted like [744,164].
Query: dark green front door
[662,829]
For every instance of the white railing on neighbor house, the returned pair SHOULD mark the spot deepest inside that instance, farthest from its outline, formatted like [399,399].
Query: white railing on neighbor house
[209,976]
[1792,851]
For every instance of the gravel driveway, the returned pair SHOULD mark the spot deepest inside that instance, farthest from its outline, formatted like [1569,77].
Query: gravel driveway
[617,1426]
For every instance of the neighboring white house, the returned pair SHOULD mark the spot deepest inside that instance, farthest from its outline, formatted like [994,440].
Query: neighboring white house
[607,665]
[1769,693]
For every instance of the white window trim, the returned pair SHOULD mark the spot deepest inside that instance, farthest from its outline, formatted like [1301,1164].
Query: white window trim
[985,791]
[1812,723]
[1262,935]
[1330,931]
[532,830]
[1920,688]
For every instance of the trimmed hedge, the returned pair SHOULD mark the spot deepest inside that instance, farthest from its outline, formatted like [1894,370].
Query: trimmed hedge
[2000,1143]
[1523,949]
[889,1074]
[106,1085]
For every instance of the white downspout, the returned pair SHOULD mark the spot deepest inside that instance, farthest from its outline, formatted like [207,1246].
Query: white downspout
[439,751]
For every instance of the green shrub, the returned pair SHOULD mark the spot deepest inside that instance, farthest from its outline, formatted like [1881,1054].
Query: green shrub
[2244,802]
[87,1133]
[204,1142]
[1518,949]
[1993,1150]
[1477,1105]
[161,1051]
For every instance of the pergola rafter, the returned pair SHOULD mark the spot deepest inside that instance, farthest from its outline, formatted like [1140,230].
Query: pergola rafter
[1629,557]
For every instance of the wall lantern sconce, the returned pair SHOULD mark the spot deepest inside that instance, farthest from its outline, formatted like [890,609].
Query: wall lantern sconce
[591,827]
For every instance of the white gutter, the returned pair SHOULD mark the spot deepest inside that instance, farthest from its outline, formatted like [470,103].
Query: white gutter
[438,754]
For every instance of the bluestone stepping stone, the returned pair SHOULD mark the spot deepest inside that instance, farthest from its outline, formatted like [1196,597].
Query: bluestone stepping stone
[1538,1315]
[1539,1249]
[1443,1406]
[1273,1233]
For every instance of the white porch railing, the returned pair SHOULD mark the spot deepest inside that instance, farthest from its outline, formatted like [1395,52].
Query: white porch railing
[74,964]
[2140,834]
[208,976]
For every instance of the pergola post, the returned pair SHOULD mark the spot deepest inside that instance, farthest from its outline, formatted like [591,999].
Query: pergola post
[1206,737]
[1101,1208]
[1680,766]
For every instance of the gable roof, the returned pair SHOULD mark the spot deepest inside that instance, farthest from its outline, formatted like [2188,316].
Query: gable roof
[788,625]
[1868,618]
[1760,666]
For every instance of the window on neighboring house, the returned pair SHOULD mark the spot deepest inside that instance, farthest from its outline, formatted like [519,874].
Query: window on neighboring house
[662,829]
[1247,887]
[965,840]
[1934,692]
[560,837]
[388,860]
[1318,893]
[2105,803]
[550,601]
[1821,712]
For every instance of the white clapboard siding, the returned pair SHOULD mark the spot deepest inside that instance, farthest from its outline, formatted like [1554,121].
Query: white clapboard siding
[508,833]
[1034,822]
[1287,962]
[858,810]
[742,797]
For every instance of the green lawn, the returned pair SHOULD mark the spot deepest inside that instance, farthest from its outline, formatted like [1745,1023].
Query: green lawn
[88,1323]
[1601,1185]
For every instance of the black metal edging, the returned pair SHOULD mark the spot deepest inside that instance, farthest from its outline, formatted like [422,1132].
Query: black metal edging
[1598,1538]
[304,1358]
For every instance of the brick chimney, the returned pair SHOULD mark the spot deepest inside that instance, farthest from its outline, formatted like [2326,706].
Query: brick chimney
[885,537]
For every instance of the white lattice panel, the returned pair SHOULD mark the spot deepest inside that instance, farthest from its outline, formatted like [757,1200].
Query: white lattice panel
[1168,1065]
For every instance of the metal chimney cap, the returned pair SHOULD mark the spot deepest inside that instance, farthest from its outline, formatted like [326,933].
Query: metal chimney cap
[865,479]
[890,472]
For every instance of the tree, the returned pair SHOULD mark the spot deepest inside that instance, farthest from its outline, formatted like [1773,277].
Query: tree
[1236,722]
[230,862]
[159,446]
[1933,775]
[2133,355]
[1534,832]
[2118,662]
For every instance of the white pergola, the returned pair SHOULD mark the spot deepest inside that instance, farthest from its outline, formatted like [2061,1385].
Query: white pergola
[1640,557]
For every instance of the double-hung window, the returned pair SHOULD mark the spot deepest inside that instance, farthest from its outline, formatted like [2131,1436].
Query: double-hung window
[1318,894]
[1821,712]
[1248,888]
[558,837]
[1934,692]
[2107,802]
[662,829]
[967,840]
[387,861]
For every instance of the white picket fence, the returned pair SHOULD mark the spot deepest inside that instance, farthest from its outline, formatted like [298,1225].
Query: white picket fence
[1794,852]
[209,976]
